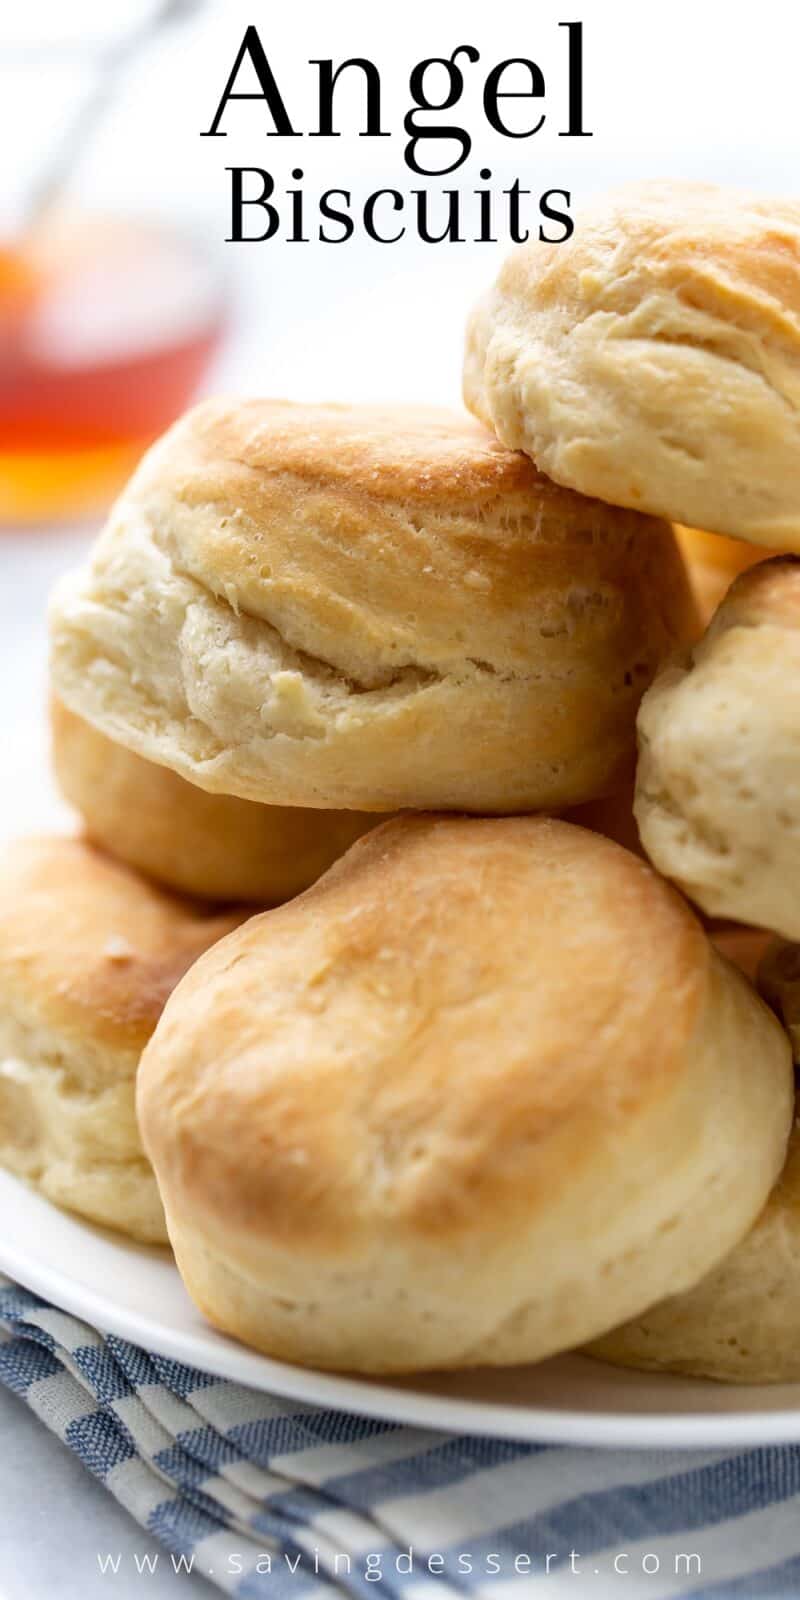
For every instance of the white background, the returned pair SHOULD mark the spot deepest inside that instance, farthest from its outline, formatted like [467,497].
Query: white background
[690,88]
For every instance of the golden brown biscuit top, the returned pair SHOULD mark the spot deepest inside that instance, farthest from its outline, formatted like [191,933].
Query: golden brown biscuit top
[87,947]
[238,454]
[721,250]
[419,453]
[432,1034]
[374,540]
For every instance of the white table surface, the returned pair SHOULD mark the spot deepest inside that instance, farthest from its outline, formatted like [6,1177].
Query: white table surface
[56,1520]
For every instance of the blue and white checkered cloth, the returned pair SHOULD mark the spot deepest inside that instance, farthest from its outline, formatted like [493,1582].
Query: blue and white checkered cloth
[271,1498]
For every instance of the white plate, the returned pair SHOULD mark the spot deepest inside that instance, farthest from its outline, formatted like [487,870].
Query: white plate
[135,1292]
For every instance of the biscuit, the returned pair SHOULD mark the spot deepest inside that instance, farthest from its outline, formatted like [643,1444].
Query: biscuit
[88,954]
[718,780]
[741,1324]
[367,609]
[653,360]
[214,847]
[429,1114]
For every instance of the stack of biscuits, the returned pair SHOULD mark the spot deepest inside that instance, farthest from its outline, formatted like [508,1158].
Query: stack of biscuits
[361,985]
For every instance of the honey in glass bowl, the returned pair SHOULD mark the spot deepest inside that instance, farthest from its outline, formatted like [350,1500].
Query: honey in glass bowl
[107,328]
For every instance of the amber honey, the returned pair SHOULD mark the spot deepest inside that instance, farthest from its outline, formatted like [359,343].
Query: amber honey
[106,331]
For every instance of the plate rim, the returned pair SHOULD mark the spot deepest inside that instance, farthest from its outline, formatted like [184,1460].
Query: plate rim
[227,1359]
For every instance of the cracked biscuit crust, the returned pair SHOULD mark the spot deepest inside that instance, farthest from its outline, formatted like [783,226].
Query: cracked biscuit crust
[429,1114]
[654,359]
[362,608]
